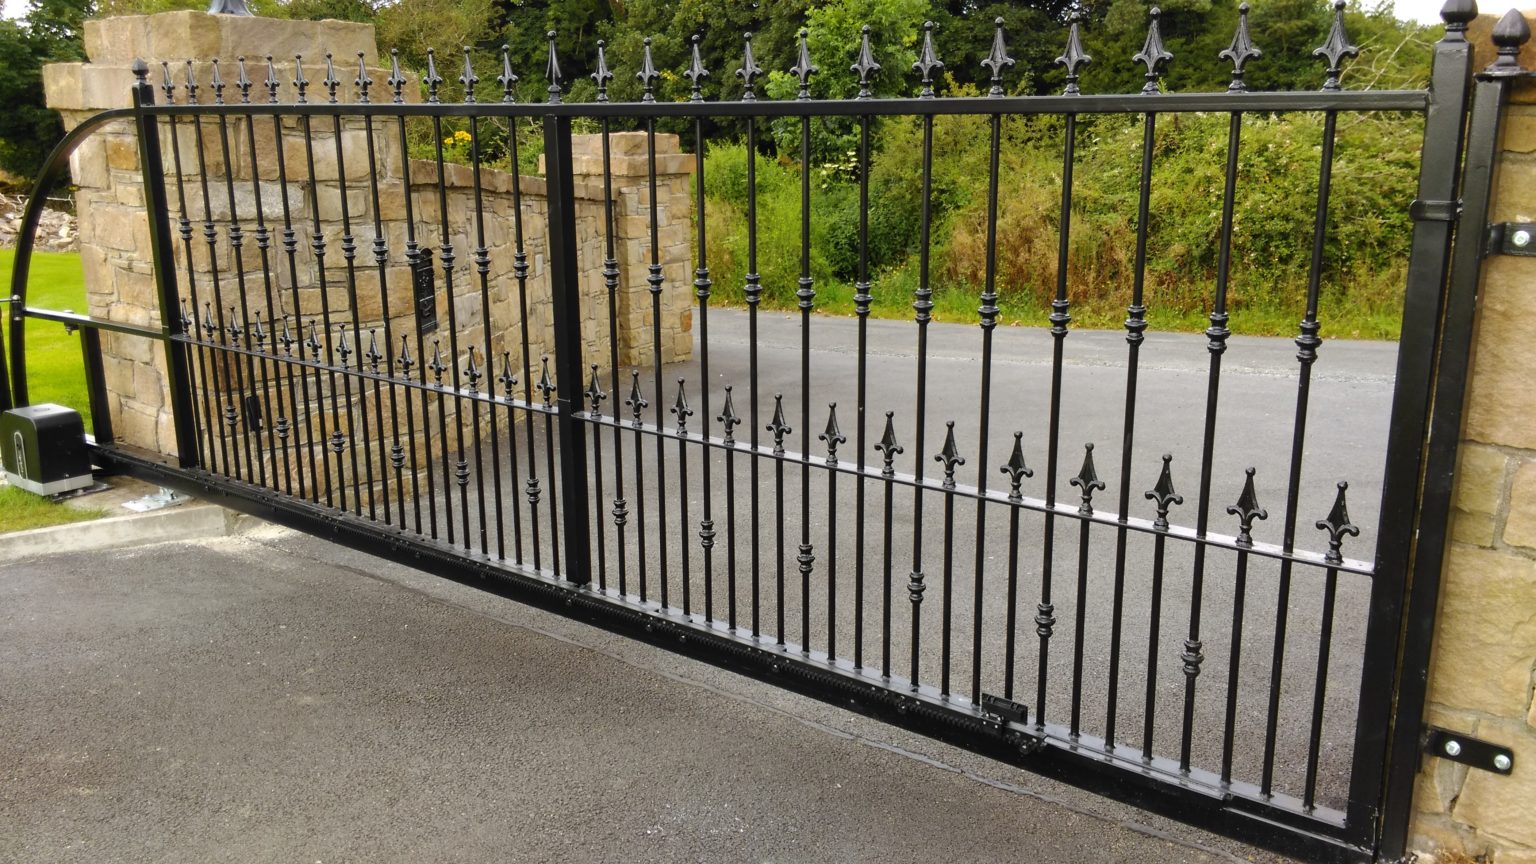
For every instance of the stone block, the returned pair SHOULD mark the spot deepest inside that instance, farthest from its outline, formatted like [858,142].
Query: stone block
[1520,524]
[1501,403]
[1486,623]
[1480,479]
[1498,805]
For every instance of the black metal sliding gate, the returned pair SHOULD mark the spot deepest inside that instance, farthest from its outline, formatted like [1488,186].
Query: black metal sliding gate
[919,572]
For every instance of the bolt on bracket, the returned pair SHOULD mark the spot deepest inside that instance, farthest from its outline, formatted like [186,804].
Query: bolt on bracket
[1469,751]
[1512,238]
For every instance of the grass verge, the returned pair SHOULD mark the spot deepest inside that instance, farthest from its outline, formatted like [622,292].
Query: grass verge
[55,372]
[21,510]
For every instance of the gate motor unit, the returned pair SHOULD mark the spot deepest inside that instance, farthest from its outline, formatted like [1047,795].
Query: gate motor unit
[44,449]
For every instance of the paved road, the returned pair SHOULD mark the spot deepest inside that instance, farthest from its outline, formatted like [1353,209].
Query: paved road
[274,698]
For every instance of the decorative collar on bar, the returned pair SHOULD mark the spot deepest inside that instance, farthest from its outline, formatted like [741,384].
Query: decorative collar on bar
[602,76]
[1164,494]
[433,80]
[1074,59]
[865,65]
[647,73]
[362,80]
[1152,54]
[552,71]
[1241,51]
[1016,469]
[804,68]
[928,61]
[998,59]
[1509,35]
[1246,510]
[832,435]
[888,447]
[468,77]
[696,73]
[1336,48]
[506,79]
[749,70]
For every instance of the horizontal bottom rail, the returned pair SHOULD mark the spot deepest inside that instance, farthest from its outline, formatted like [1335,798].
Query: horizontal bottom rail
[1197,798]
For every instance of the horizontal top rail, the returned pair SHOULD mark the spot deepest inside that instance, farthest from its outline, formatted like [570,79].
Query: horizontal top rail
[1161,103]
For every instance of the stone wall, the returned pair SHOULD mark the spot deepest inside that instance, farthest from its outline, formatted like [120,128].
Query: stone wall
[114,229]
[1484,664]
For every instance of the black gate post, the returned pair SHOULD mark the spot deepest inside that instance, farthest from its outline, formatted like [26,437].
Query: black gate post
[157,208]
[564,287]
[1444,433]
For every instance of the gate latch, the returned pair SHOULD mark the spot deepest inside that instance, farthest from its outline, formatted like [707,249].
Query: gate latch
[1469,751]
[1512,238]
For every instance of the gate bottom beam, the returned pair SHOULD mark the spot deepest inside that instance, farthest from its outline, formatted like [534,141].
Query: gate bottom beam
[1121,774]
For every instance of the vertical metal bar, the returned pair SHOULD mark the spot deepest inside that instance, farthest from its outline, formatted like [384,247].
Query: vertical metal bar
[96,386]
[413,258]
[1402,602]
[861,300]
[565,288]
[889,449]
[1320,688]
[446,259]
[349,256]
[702,285]
[806,299]
[611,282]
[753,293]
[1135,328]
[655,280]
[381,262]
[164,259]
[290,251]
[1165,496]
[923,306]
[483,269]
[637,405]
[682,412]
[1216,336]
[520,272]
[988,312]
[1307,343]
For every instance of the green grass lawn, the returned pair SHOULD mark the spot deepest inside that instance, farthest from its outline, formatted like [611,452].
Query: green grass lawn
[55,372]
[21,510]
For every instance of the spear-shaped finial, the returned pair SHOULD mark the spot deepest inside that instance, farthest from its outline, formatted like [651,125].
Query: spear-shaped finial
[680,408]
[595,394]
[1337,525]
[1246,510]
[285,338]
[927,61]
[405,361]
[552,71]
[313,342]
[506,79]
[433,80]
[865,66]
[363,81]
[647,73]
[373,356]
[191,85]
[1087,479]
[243,81]
[728,417]
[696,72]
[1016,469]
[1152,54]
[472,371]
[888,447]
[507,379]
[1163,493]
[271,83]
[777,426]
[949,455]
[1336,48]
[1509,35]
[804,68]
[468,77]
[749,70]
[437,365]
[832,435]
[167,84]
[217,83]
[636,401]
[997,59]
[396,77]
[546,385]
[1241,50]
[331,81]
[602,76]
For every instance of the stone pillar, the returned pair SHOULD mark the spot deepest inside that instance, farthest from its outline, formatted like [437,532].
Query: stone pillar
[114,226]
[1483,669]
